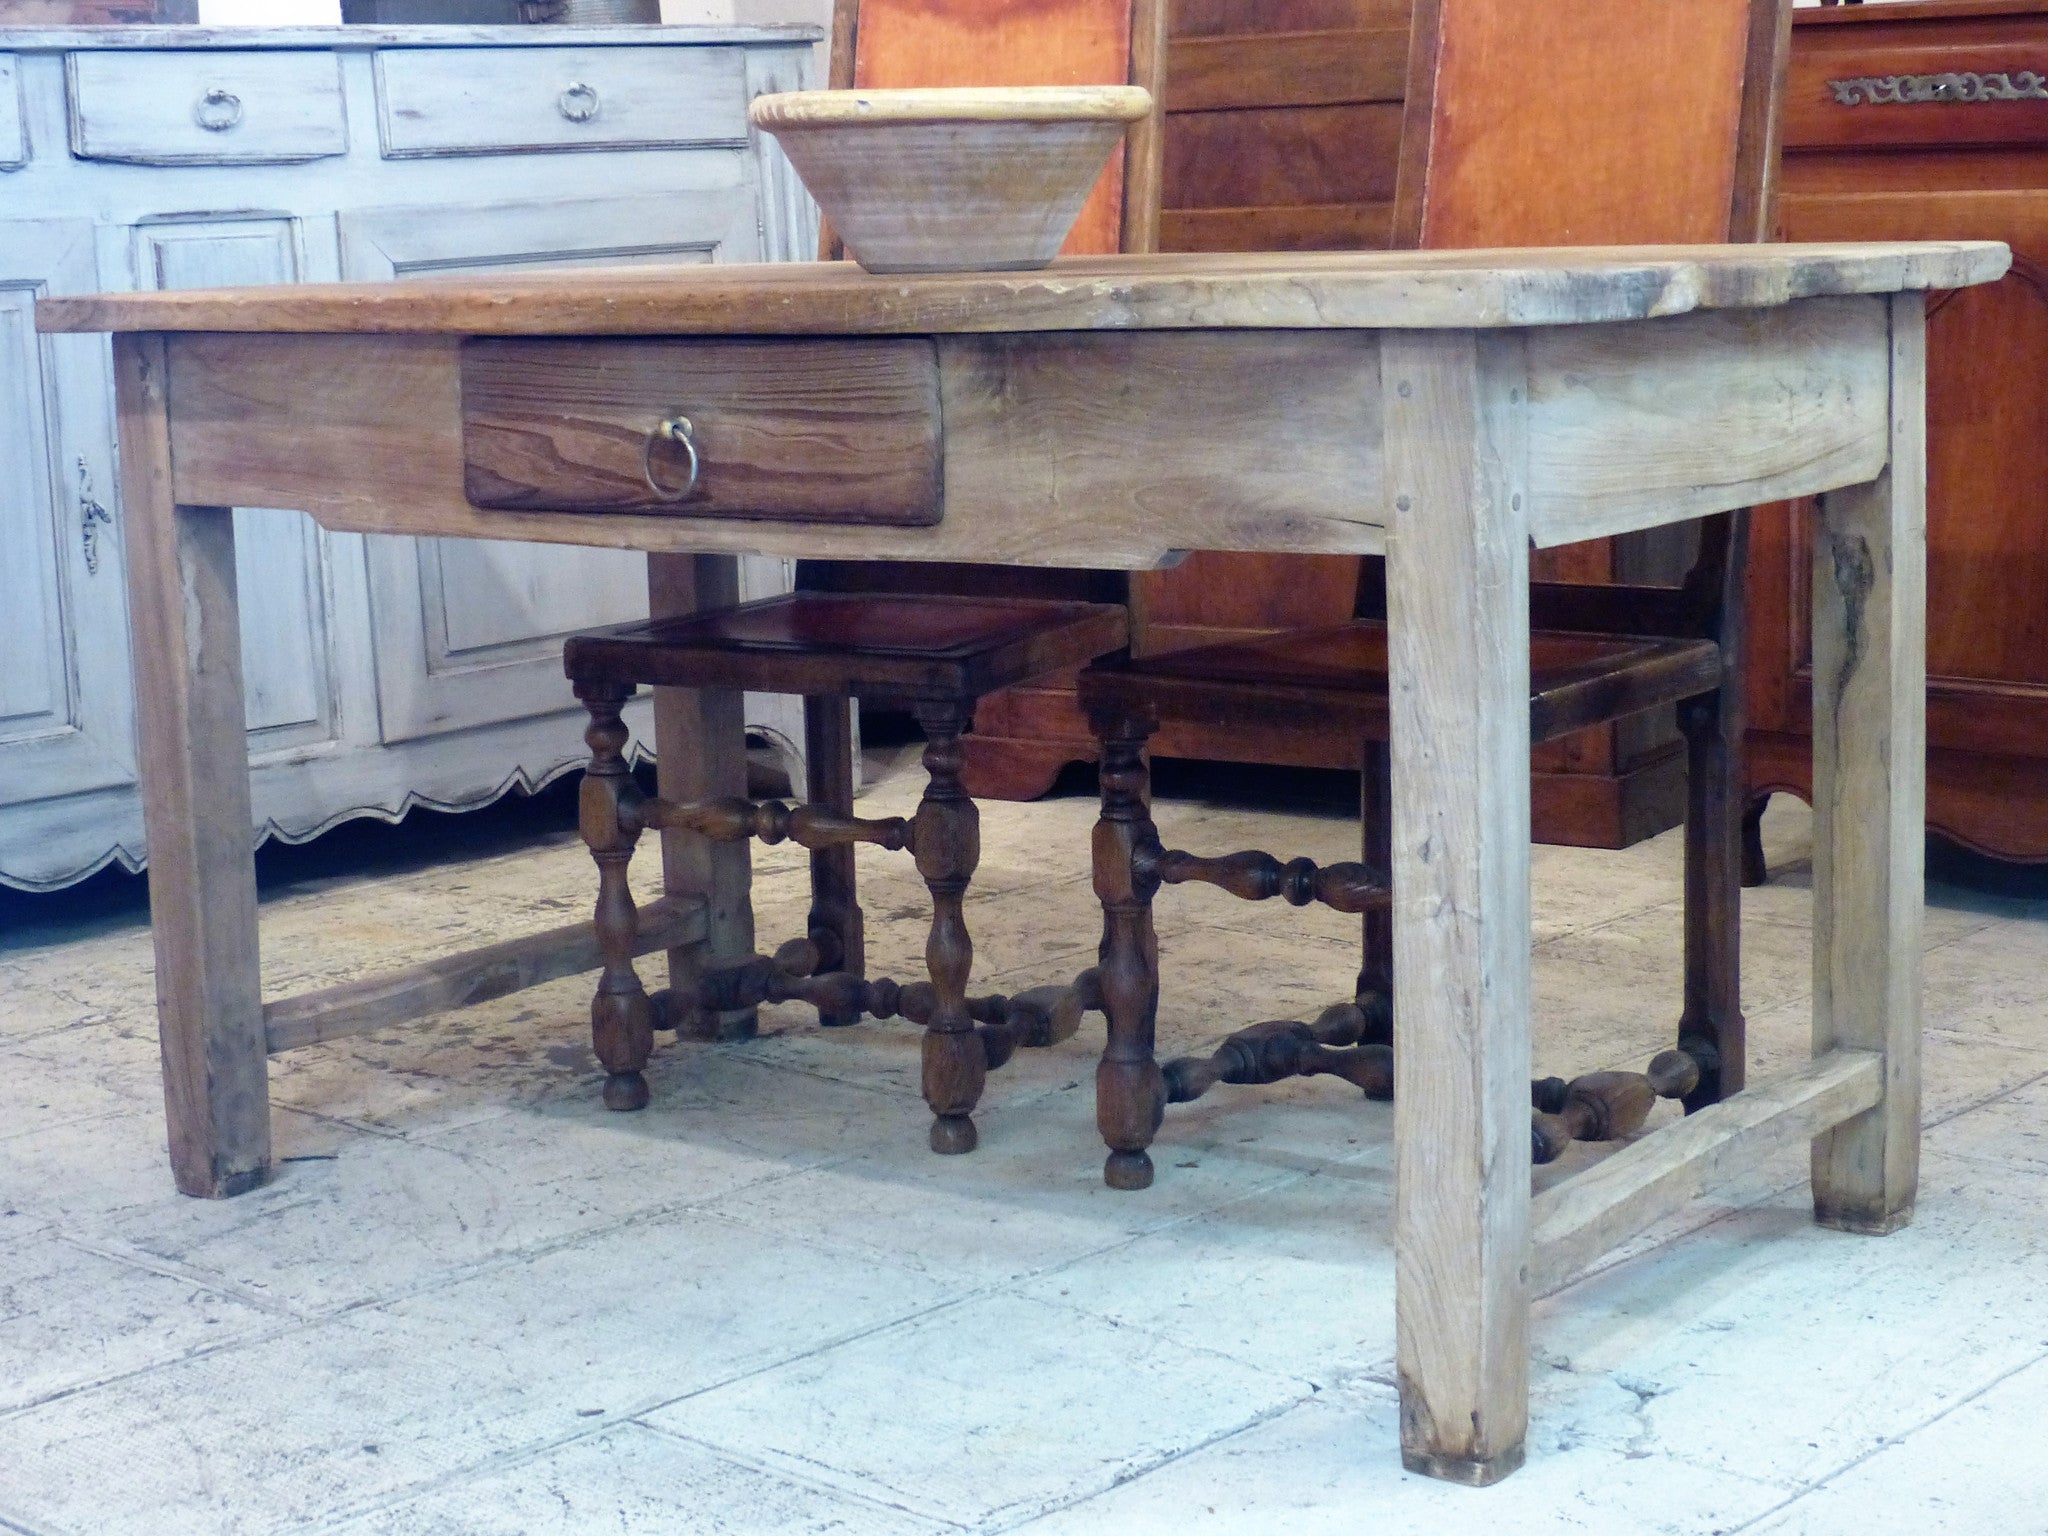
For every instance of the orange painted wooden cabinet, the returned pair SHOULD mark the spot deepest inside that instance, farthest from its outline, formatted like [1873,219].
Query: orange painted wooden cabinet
[1284,130]
[1928,119]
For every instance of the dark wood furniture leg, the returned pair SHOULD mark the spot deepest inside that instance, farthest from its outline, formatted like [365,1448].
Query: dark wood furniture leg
[1711,1030]
[947,843]
[1754,870]
[621,1017]
[1375,996]
[835,924]
[1130,1089]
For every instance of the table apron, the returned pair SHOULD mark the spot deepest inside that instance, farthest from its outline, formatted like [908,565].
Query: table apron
[1112,449]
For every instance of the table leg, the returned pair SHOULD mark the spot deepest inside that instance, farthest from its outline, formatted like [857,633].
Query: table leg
[195,799]
[1869,799]
[700,744]
[1457,592]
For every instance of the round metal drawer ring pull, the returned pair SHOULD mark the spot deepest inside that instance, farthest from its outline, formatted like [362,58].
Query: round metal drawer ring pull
[218,110]
[676,429]
[579,103]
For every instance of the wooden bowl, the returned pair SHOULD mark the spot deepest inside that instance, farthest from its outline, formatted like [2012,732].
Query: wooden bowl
[983,180]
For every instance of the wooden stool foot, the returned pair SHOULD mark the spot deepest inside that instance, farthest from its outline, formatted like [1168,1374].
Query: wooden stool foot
[953,1135]
[1127,1170]
[1461,1469]
[839,1020]
[625,1091]
[1864,1223]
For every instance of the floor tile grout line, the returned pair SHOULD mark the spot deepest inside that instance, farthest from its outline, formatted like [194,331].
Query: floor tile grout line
[1890,1442]
[122,1378]
[516,1456]
[978,1292]
[210,1281]
[1000,1525]
[787,1474]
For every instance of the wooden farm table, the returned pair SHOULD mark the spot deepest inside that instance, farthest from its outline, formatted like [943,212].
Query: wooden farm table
[1450,410]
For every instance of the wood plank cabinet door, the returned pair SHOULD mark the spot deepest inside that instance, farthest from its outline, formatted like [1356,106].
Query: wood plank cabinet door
[470,632]
[66,715]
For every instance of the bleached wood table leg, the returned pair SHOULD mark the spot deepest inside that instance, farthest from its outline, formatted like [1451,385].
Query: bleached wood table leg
[1458,608]
[1869,767]
[195,799]
[700,743]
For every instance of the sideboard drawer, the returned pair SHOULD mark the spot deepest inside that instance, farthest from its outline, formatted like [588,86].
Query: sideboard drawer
[844,431]
[500,101]
[1993,93]
[13,134]
[206,108]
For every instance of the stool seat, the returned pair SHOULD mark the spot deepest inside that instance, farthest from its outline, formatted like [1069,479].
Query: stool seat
[906,648]
[1318,678]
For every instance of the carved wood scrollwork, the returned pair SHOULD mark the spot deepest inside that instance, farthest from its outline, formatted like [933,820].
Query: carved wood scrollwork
[1956,86]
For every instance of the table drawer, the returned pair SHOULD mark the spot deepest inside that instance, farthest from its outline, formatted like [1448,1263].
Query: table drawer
[843,431]
[206,108]
[510,101]
[1996,93]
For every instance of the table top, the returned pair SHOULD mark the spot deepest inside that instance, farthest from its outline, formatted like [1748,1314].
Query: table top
[1281,291]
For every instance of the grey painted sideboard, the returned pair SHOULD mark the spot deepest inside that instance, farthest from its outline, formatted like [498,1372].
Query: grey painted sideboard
[383,672]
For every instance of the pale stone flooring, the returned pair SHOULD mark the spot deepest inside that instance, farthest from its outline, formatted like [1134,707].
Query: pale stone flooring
[474,1302]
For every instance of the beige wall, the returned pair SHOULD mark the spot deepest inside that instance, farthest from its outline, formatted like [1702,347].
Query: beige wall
[748,11]
[270,13]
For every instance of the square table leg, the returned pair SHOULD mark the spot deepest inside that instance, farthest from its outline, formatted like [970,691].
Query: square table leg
[194,764]
[700,745]
[1869,798]
[1458,638]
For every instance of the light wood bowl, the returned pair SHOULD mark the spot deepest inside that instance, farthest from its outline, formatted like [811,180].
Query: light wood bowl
[982,180]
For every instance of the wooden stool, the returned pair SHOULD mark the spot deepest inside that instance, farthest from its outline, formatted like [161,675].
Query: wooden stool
[1586,668]
[935,655]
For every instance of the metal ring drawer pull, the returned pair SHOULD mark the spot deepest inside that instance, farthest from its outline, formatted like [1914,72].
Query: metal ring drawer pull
[218,110]
[578,103]
[676,429]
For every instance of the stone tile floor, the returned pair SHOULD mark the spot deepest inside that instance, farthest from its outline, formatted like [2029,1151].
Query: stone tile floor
[472,1301]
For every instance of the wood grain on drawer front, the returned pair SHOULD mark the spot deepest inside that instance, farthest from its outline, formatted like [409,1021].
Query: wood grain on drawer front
[13,133]
[1899,94]
[843,431]
[500,101]
[206,108]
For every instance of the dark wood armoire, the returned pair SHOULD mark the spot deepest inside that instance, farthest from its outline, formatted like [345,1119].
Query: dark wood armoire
[1927,120]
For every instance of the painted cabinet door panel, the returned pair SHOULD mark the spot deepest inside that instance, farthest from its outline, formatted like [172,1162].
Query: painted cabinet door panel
[65,710]
[468,631]
[281,557]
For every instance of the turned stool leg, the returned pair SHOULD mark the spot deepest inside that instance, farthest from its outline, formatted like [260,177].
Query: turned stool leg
[1130,1089]
[1711,1030]
[621,1018]
[835,924]
[1375,993]
[946,838]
